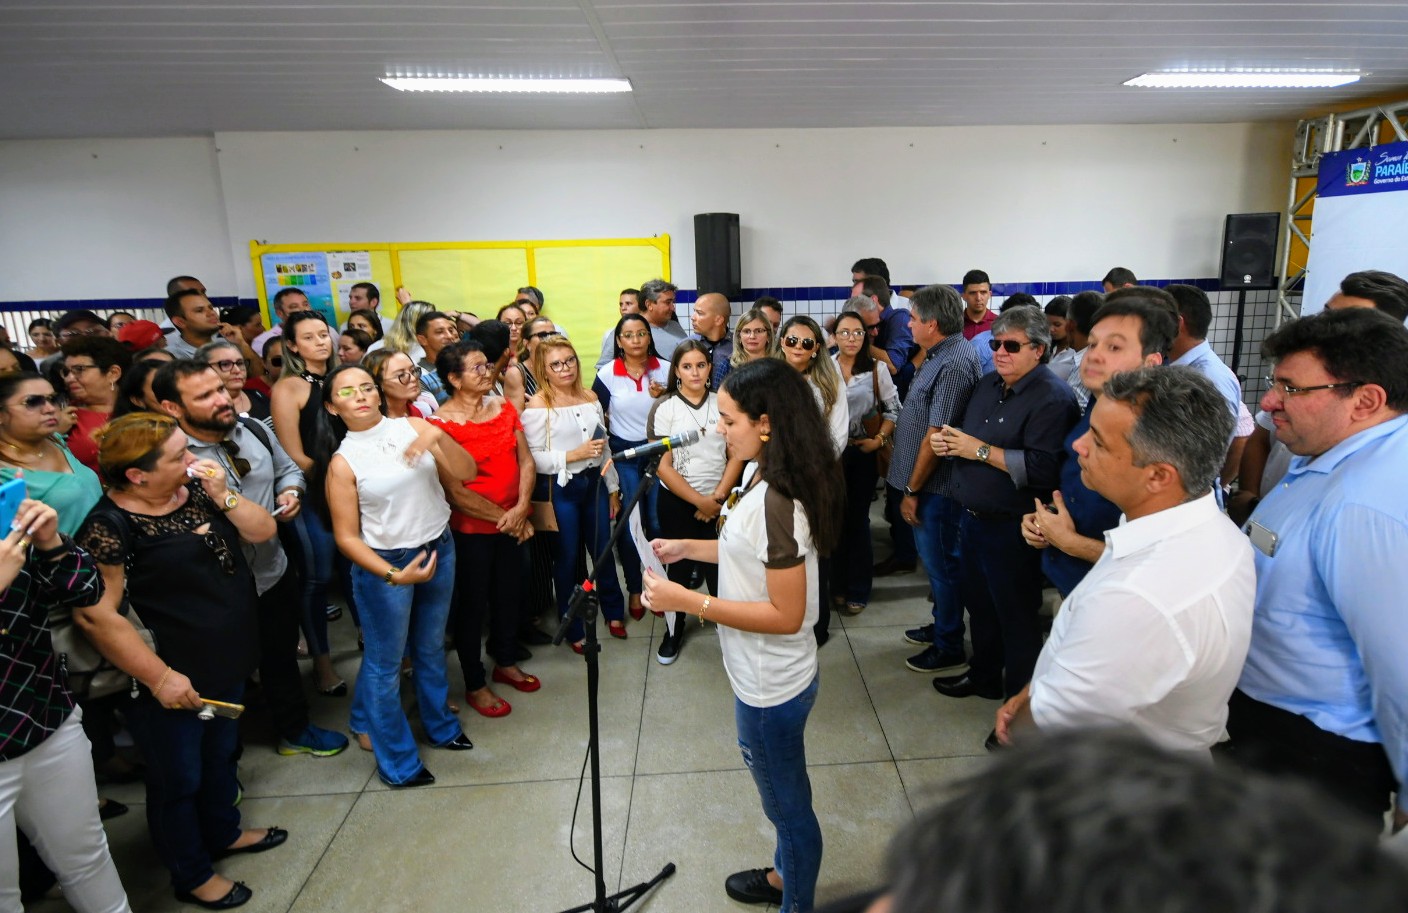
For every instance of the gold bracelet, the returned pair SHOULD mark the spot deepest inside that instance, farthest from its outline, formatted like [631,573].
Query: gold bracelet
[161,683]
[702,609]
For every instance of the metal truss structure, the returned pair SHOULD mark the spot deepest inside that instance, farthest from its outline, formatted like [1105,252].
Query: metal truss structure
[1316,138]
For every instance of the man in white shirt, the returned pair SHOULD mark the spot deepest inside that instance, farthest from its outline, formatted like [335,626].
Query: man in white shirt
[1156,633]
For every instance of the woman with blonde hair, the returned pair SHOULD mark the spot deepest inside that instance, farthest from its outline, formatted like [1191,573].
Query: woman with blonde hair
[566,432]
[402,335]
[752,337]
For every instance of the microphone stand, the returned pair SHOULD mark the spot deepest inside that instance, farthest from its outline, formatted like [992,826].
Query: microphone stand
[584,605]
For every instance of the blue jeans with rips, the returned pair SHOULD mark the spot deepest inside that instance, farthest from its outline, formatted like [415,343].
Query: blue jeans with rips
[399,621]
[936,539]
[773,745]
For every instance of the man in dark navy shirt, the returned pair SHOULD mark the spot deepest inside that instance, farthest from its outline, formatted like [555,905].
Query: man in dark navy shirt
[1134,329]
[1007,452]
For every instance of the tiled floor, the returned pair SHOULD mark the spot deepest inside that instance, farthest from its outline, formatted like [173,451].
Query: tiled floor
[493,833]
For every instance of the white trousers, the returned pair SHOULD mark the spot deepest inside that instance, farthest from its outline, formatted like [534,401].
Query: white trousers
[50,793]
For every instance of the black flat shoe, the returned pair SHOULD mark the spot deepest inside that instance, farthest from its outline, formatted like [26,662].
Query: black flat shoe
[460,742]
[338,690]
[423,777]
[965,686]
[535,636]
[274,836]
[111,808]
[752,886]
[239,896]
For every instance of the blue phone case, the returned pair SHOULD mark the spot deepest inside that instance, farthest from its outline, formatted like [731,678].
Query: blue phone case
[11,494]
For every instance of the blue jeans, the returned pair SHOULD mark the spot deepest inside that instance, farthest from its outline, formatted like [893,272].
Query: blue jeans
[774,748]
[395,618]
[936,539]
[583,511]
[191,786]
[631,474]
[311,544]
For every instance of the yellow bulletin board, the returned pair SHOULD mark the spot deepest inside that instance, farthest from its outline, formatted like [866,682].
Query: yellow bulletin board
[580,279]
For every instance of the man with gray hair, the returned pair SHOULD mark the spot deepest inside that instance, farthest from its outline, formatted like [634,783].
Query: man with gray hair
[936,397]
[1142,641]
[657,305]
[890,338]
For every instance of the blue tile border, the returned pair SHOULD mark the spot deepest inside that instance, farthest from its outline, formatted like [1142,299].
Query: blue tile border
[110,304]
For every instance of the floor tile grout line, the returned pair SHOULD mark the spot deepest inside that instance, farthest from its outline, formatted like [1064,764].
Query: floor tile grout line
[331,840]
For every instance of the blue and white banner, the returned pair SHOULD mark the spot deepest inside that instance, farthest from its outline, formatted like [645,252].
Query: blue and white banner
[1361,219]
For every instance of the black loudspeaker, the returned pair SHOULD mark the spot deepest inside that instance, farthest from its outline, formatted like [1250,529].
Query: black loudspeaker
[1249,250]
[717,267]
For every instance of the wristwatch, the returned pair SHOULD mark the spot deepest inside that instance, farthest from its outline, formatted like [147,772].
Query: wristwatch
[231,501]
[910,492]
[984,451]
[391,572]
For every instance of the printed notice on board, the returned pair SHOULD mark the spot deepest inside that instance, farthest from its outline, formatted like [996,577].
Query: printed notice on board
[346,268]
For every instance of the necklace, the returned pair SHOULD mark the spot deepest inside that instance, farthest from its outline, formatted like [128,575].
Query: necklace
[21,456]
[696,407]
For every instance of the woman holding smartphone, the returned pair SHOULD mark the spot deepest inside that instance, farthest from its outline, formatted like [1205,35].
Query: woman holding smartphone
[788,509]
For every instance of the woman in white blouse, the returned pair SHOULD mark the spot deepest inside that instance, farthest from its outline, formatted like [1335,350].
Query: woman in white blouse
[566,431]
[870,394]
[390,518]
[694,480]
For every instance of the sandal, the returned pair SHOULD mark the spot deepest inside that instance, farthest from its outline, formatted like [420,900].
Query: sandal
[854,608]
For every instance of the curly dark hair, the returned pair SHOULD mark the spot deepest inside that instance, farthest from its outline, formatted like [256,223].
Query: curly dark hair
[799,460]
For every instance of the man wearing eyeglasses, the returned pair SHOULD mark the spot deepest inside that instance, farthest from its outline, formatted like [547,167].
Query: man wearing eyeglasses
[1324,693]
[257,468]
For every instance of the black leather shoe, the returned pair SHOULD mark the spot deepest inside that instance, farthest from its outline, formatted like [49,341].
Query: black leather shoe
[423,777]
[534,636]
[891,566]
[966,687]
[239,896]
[460,742]
[275,836]
[991,743]
[751,886]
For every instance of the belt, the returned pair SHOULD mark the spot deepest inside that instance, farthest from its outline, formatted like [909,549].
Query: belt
[992,515]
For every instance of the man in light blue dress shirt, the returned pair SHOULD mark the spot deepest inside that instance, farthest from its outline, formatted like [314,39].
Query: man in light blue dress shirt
[1324,693]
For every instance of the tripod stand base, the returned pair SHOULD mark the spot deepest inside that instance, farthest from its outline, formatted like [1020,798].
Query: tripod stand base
[623,899]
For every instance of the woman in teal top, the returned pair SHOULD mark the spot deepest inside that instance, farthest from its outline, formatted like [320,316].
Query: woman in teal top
[29,416]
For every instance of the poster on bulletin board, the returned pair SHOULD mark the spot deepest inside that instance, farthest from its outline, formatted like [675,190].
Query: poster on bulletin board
[307,272]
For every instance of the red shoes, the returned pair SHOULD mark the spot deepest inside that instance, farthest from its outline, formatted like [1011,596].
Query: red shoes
[617,629]
[528,684]
[498,708]
[637,610]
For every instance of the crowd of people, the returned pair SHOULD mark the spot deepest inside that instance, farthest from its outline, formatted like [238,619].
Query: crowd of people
[195,492]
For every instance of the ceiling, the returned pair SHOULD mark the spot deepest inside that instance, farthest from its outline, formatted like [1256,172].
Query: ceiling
[80,68]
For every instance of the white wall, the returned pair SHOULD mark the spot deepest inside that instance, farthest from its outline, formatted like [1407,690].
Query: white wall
[1024,203]
[110,218]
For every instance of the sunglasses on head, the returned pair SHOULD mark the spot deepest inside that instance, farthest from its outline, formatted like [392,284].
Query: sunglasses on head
[806,342]
[1010,346]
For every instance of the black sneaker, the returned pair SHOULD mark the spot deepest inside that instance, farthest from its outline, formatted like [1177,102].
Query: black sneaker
[935,661]
[751,886]
[921,637]
[670,645]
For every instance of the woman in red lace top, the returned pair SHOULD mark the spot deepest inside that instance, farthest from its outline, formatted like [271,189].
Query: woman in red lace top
[490,523]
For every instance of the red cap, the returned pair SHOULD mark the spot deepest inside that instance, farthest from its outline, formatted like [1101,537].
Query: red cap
[139,335]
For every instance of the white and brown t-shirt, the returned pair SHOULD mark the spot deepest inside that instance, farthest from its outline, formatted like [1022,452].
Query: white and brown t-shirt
[762,530]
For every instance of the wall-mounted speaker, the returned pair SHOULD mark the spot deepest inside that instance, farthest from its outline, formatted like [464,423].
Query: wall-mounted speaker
[717,267]
[1249,242]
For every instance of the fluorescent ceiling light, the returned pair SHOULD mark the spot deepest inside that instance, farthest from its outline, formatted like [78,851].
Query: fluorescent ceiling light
[1243,79]
[504,84]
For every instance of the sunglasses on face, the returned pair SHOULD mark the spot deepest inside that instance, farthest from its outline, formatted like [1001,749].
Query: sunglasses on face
[39,401]
[276,361]
[806,342]
[1010,346]
[541,334]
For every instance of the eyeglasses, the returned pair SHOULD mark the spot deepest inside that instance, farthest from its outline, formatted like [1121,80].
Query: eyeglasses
[96,331]
[806,342]
[1285,389]
[222,552]
[754,331]
[68,370]
[850,334]
[227,365]
[232,450]
[541,334]
[513,323]
[481,368]
[403,377]
[566,364]
[276,361]
[642,334]
[1010,346]
[39,401]
[349,392]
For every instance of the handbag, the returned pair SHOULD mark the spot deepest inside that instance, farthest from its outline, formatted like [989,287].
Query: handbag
[544,515]
[88,673]
[872,426]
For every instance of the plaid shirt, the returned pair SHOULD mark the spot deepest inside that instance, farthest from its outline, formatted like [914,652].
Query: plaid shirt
[34,700]
[937,396]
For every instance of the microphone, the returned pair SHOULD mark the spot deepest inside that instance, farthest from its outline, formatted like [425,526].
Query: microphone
[654,448]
